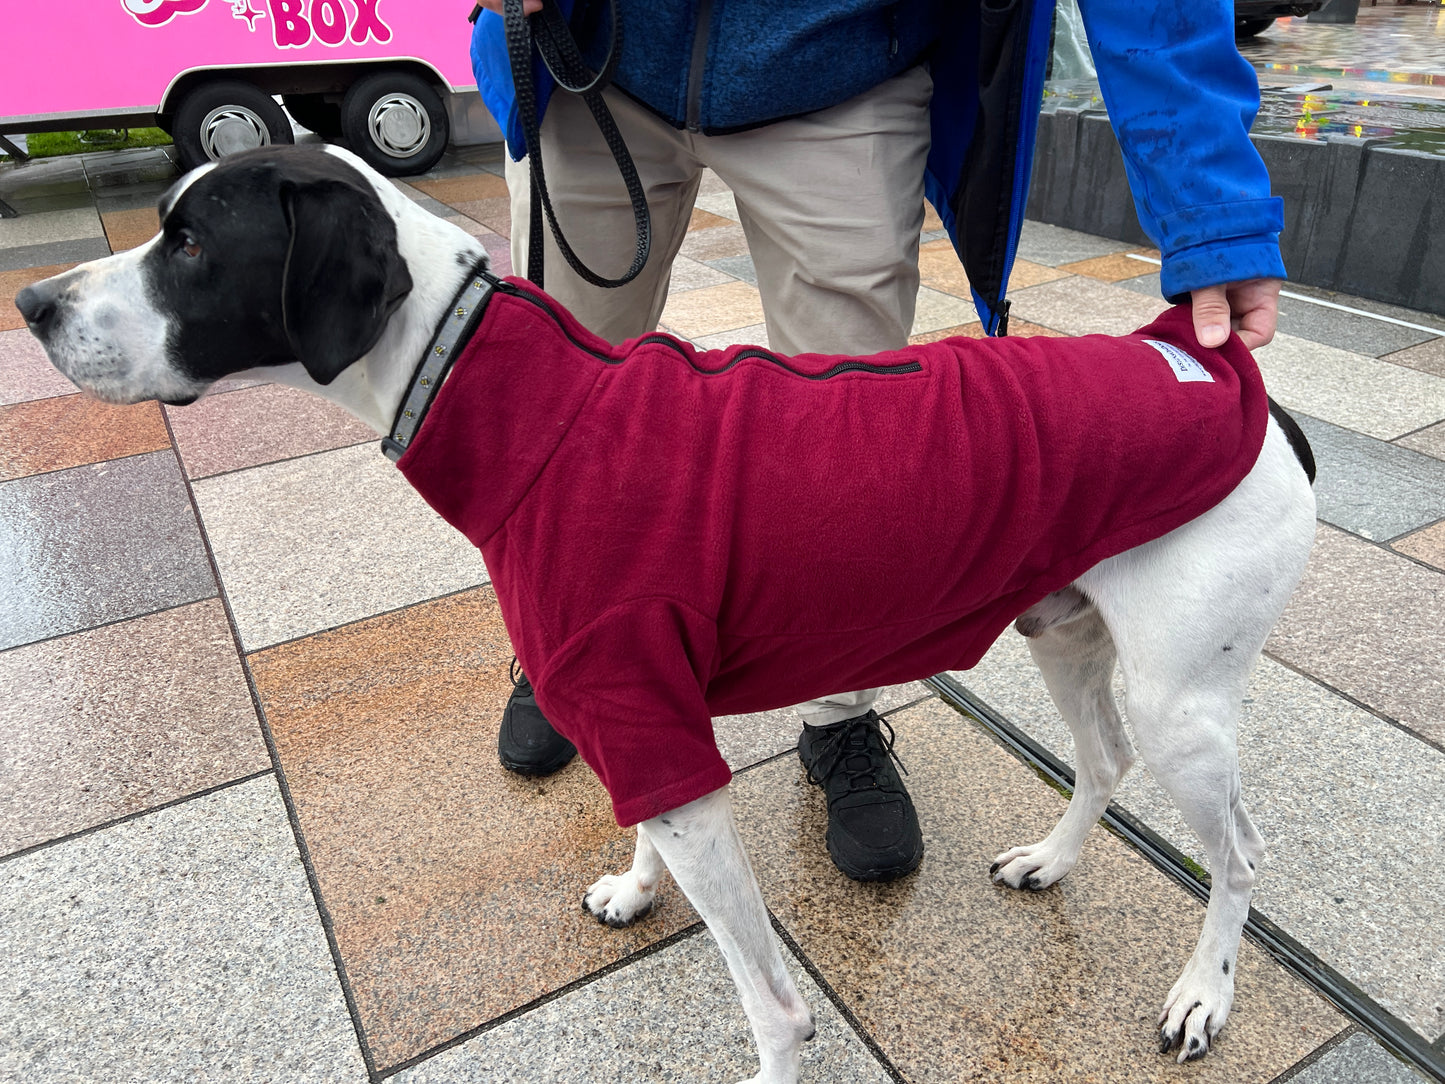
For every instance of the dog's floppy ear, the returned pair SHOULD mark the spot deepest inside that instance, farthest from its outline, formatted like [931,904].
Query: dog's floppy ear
[343,276]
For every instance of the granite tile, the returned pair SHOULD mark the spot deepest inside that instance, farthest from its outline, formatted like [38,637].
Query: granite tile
[53,252]
[70,430]
[1345,330]
[46,227]
[130,229]
[713,309]
[738,267]
[263,424]
[453,885]
[1350,390]
[1427,545]
[939,268]
[752,335]
[703,219]
[115,720]
[1430,440]
[1026,273]
[972,330]
[1115,267]
[745,740]
[936,309]
[96,544]
[956,978]
[721,203]
[184,945]
[1329,786]
[1371,624]
[495,213]
[1371,488]
[316,542]
[12,282]
[25,372]
[462,189]
[673,1015]
[689,274]
[1054,245]
[714,244]
[1428,357]
[1083,306]
[1359,1060]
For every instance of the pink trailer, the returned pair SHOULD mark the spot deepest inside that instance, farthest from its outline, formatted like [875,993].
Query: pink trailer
[387,75]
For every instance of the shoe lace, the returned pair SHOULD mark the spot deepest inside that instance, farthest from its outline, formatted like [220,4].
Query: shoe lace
[519,679]
[834,749]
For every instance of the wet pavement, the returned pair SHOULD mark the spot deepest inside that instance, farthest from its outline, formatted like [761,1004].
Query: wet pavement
[253,827]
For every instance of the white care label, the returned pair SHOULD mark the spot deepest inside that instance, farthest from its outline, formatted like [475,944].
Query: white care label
[1186,369]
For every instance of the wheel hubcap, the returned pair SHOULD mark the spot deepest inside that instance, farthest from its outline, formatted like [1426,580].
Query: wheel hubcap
[399,125]
[231,128]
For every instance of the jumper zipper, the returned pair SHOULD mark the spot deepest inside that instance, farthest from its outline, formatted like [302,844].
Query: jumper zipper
[851,365]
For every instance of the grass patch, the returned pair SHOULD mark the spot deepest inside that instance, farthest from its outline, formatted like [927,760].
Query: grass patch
[55,144]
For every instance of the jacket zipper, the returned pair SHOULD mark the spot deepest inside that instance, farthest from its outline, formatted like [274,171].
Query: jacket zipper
[696,65]
[851,365]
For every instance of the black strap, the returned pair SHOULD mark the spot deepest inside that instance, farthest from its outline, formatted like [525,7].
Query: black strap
[558,49]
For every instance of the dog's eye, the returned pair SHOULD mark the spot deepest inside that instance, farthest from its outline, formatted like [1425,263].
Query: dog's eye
[189,246]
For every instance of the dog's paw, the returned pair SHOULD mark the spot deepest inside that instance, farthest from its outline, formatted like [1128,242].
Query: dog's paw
[1195,1010]
[619,900]
[1033,867]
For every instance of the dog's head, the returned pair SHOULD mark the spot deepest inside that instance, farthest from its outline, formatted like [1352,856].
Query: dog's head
[269,257]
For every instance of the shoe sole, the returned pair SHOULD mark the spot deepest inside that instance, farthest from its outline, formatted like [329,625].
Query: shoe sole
[869,874]
[547,767]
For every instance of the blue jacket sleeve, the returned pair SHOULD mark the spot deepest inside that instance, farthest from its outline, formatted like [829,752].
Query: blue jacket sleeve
[493,71]
[1182,100]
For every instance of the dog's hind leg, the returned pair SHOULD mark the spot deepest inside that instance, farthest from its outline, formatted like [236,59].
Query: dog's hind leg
[1189,614]
[702,849]
[1076,657]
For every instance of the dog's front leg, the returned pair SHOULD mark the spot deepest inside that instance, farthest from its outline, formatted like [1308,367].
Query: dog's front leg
[699,842]
[619,900]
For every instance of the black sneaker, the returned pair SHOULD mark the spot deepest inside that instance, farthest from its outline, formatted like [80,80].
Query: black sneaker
[526,742]
[873,832]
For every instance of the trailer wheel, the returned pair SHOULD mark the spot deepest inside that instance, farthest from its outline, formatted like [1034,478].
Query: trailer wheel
[221,118]
[396,121]
[315,113]
[1245,29]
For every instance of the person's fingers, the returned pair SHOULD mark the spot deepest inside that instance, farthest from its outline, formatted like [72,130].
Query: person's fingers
[1211,315]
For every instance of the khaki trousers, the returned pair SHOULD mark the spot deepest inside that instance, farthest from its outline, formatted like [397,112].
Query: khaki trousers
[831,205]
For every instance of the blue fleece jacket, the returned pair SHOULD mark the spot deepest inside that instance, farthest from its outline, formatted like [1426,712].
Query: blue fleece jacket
[1180,97]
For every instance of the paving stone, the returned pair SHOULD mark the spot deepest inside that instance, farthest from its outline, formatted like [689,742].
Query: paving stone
[53,252]
[184,945]
[1055,245]
[614,1028]
[316,542]
[1371,488]
[1350,390]
[96,544]
[1359,1060]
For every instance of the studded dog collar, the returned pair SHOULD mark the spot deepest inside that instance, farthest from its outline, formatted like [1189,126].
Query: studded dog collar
[463,315]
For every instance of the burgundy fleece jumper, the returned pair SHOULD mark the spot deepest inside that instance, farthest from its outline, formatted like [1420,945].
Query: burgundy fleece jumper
[675,534]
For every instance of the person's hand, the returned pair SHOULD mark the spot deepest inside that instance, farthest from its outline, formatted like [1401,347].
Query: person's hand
[528,6]
[1251,308]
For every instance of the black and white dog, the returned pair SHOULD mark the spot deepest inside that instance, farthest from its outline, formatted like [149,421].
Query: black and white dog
[309,266]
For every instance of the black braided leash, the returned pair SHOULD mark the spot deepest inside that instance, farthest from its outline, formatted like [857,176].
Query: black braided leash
[549,33]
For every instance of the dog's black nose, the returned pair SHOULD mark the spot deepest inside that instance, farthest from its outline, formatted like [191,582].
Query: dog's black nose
[36,305]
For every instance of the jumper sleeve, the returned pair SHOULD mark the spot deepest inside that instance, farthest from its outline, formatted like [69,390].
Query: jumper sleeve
[629,691]
[1182,100]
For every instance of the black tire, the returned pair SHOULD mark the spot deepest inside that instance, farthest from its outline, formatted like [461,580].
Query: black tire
[1248,28]
[220,118]
[396,122]
[314,113]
